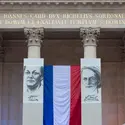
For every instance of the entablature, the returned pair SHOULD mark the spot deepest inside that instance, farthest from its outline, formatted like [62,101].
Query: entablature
[23,5]
[1,49]
[84,2]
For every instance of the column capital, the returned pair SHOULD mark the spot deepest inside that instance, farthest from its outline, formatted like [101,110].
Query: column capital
[34,36]
[90,36]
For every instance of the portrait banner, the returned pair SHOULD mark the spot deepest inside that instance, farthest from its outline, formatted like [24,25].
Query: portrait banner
[91,91]
[91,80]
[33,81]
[33,91]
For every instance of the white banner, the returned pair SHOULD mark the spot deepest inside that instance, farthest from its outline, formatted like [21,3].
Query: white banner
[33,81]
[91,80]
[33,91]
[91,91]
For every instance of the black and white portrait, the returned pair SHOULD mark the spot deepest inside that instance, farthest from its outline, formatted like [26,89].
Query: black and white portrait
[33,82]
[91,80]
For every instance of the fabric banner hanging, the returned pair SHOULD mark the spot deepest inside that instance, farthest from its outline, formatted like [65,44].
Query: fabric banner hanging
[62,100]
[91,91]
[33,91]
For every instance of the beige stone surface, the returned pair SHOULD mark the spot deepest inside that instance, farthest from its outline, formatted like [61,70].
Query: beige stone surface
[62,15]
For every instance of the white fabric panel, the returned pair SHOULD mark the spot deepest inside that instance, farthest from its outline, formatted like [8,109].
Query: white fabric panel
[61,94]
[33,91]
[91,91]
[91,114]
[32,71]
[32,61]
[91,71]
[32,114]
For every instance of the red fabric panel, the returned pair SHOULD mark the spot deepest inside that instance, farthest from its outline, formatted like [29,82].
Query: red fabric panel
[75,105]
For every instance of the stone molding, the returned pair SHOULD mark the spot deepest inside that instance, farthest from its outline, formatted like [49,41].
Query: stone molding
[34,36]
[89,36]
[29,5]
[62,2]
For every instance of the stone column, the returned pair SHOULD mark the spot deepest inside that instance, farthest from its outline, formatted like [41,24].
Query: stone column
[33,78]
[34,39]
[91,97]
[90,38]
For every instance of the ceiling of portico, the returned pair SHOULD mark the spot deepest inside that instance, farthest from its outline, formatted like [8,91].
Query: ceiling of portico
[64,43]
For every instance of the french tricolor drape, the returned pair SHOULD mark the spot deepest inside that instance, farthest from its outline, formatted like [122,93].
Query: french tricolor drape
[62,95]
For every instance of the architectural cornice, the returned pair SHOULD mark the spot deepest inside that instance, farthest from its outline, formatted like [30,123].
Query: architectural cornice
[60,5]
[57,2]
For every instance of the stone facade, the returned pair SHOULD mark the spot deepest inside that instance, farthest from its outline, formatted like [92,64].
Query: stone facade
[62,21]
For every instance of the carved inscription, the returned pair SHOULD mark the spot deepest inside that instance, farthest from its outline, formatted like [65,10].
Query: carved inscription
[43,19]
